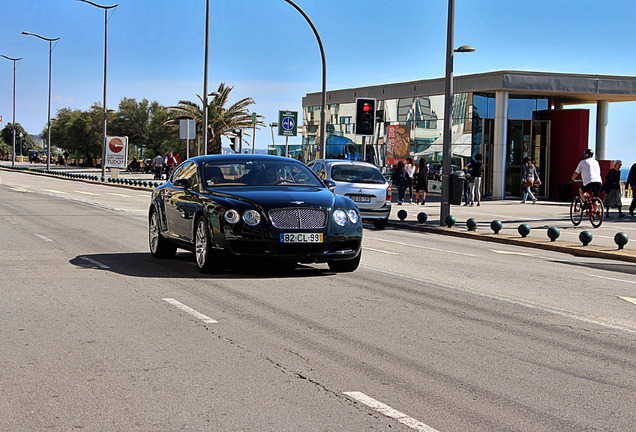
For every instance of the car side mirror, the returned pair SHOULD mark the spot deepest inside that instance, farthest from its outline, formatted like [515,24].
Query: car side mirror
[331,185]
[182,183]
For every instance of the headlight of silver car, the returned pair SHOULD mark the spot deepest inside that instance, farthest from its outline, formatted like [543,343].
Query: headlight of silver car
[251,217]
[353,216]
[340,217]
[231,216]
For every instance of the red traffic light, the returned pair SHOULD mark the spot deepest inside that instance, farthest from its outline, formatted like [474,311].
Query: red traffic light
[366,107]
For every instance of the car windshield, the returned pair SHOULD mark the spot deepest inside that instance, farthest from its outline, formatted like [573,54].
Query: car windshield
[258,173]
[356,174]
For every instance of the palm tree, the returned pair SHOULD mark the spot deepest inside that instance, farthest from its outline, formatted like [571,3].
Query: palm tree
[221,121]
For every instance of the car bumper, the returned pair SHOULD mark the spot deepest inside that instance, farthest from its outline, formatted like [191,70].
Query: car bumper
[375,214]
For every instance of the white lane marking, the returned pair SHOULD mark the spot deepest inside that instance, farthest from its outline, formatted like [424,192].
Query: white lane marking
[41,237]
[422,247]
[54,191]
[198,315]
[390,412]
[612,279]
[19,189]
[95,263]
[117,194]
[86,193]
[513,253]
[628,299]
[380,251]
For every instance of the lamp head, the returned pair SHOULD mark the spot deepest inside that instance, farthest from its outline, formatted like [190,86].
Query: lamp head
[465,48]
[26,33]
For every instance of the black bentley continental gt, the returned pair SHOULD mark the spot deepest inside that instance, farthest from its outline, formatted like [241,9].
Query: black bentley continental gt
[253,206]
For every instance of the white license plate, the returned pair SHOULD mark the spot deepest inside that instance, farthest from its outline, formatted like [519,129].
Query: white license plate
[360,198]
[301,238]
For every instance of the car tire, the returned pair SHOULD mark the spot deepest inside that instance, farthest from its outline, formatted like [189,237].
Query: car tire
[160,247]
[208,261]
[380,223]
[345,266]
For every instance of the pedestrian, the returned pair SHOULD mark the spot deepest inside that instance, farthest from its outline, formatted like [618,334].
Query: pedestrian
[468,179]
[171,163]
[612,189]
[157,164]
[66,156]
[421,181]
[590,172]
[528,177]
[399,180]
[476,172]
[410,177]
[631,182]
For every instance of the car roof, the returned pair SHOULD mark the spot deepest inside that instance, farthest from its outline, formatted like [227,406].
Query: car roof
[343,162]
[241,157]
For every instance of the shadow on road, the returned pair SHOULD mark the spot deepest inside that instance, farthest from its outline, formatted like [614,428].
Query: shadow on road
[183,266]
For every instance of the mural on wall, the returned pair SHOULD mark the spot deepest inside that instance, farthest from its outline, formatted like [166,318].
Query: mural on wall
[398,143]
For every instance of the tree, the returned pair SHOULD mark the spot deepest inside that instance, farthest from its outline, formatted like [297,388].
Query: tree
[221,121]
[79,132]
[144,123]
[7,136]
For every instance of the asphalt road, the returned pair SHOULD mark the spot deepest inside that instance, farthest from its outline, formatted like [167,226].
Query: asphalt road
[431,333]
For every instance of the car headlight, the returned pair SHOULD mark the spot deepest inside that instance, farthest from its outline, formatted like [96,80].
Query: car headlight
[231,216]
[353,216]
[251,217]
[340,217]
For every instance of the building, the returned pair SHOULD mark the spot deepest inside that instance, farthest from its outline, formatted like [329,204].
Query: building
[505,115]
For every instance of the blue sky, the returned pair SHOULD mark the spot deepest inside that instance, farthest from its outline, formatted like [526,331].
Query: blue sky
[266,50]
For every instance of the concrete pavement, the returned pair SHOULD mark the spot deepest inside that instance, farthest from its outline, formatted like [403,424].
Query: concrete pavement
[510,213]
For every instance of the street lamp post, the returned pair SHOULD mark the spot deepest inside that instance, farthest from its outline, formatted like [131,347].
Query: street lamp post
[448,112]
[205,77]
[323,111]
[21,144]
[106,8]
[13,154]
[48,141]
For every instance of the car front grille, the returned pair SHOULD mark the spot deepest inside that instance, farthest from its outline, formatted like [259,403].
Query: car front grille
[298,218]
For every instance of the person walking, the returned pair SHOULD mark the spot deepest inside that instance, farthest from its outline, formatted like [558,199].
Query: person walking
[410,177]
[631,182]
[612,189]
[476,172]
[467,181]
[421,181]
[157,164]
[528,177]
[399,180]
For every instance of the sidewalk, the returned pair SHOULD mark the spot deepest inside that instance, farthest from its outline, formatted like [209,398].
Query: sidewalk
[539,218]
[510,213]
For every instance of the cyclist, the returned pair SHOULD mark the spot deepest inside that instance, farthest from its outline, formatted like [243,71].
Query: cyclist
[590,173]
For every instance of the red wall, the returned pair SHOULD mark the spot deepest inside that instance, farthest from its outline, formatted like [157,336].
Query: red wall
[569,139]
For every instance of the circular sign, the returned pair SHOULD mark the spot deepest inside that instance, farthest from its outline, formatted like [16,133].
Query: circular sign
[288,123]
[115,145]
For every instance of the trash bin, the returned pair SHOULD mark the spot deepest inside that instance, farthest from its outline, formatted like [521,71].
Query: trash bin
[457,187]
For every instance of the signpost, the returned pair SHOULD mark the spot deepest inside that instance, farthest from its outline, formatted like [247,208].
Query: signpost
[116,154]
[287,126]
[187,131]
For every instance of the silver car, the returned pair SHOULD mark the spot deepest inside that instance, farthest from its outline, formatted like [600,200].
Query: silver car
[363,183]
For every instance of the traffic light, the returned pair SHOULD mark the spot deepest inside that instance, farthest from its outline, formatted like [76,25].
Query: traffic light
[365,117]
[233,143]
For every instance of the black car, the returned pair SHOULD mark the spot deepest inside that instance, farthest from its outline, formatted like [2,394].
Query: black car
[255,206]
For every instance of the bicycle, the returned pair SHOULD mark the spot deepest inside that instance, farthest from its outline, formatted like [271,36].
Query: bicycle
[592,206]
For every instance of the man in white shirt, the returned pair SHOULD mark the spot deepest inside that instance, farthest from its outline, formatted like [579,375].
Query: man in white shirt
[590,172]
[157,162]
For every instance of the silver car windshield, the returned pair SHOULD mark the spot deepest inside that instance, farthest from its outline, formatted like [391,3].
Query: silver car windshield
[257,173]
[357,174]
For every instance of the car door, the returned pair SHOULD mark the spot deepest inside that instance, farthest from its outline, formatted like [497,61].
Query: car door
[183,202]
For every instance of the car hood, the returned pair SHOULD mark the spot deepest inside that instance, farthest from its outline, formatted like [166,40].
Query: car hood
[277,196]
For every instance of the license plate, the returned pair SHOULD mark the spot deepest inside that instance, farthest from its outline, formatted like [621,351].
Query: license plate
[360,198]
[301,238]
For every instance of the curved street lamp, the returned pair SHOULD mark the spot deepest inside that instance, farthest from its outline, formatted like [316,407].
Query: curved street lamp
[323,112]
[48,140]
[106,8]
[448,112]
[13,154]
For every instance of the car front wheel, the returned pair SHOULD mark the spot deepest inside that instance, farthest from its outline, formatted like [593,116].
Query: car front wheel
[160,247]
[345,266]
[207,260]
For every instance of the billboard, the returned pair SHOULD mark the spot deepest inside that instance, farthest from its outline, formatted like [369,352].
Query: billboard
[116,152]
[398,143]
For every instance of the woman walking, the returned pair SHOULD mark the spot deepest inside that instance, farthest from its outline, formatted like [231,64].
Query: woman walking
[410,177]
[612,188]
[421,181]
[399,180]
[476,171]
[528,177]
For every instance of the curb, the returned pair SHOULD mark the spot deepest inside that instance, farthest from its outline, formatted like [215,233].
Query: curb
[563,247]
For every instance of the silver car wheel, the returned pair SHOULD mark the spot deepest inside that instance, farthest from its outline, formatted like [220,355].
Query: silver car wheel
[201,244]
[153,232]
